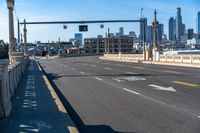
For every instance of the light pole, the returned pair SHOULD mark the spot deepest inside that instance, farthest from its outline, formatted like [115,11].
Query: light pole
[10,6]
[25,38]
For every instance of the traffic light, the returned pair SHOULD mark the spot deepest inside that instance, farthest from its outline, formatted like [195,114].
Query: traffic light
[83,28]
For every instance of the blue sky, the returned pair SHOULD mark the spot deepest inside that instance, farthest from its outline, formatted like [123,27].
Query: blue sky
[53,10]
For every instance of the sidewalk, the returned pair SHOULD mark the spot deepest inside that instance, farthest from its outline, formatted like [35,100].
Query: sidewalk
[36,107]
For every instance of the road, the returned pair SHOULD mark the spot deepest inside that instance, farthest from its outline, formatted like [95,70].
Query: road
[109,96]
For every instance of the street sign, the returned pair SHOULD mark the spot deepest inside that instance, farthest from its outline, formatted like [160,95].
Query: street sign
[83,28]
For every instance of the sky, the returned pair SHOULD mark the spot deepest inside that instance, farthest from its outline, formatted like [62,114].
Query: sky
[78,10]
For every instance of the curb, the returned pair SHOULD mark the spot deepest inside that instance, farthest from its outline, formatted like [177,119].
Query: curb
[56,98]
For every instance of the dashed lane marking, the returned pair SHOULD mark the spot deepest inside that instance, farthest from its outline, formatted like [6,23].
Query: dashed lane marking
[134,92]
[107,68]
[82,73]
[138,67]
[174,72]
[97,78]
[185,84]
[93,65]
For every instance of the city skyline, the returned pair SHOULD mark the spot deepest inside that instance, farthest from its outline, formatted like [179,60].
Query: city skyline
[67,10]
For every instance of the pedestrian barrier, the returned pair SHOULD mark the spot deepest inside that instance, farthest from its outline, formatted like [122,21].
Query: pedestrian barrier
[172,58]
[10,76]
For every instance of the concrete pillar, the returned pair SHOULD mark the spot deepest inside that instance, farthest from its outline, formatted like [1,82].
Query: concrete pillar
[25,38]
[155,26]
[10,6]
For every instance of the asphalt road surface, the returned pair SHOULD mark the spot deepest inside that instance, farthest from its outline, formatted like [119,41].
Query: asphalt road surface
[110,96]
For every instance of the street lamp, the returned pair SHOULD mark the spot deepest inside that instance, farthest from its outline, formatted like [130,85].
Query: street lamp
[10,6]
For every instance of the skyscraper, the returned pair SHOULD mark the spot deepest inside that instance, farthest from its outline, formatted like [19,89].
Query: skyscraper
[160,32]
[121,31]
[179,25]
[143,29]
[79,38]
[198,22]
[172,29]
[149,34]
[190,33]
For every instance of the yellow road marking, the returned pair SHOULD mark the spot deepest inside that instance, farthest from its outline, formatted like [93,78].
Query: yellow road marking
[168,71]
[131,73]
[186,84]
[107,68]
[93,65]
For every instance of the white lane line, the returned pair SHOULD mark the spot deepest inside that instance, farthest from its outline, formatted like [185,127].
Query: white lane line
[134,92]
[199,116]
[118,80]
[72,69]
[97,78]
[82,73]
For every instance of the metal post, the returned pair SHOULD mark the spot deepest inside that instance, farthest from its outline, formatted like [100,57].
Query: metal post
[25,38]
[18,28]
[59,46]
[48,49]
[21,46]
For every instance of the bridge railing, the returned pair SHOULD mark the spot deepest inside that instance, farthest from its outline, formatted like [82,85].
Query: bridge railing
[10,75]
[173,58]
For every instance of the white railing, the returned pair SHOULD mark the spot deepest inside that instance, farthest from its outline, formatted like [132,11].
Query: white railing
[174,58]
[10,76]
[128,57]
[193,59]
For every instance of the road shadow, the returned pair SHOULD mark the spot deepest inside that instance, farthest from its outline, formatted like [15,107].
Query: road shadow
[83,128]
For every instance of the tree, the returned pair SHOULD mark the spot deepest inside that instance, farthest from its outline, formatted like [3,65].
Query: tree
[3,50]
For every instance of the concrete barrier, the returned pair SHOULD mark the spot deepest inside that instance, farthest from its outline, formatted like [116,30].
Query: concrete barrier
[10,76]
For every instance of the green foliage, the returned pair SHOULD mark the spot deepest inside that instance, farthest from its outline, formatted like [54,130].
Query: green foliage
[3,50]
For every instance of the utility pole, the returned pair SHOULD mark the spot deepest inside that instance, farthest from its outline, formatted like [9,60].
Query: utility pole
[21,46]
[59,46]
[18,28]
[25,37]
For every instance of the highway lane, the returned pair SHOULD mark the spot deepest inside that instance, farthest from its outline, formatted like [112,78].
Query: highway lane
[119,96]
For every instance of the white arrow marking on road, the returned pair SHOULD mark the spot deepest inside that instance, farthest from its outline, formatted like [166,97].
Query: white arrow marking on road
[156,87]
[118,80]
